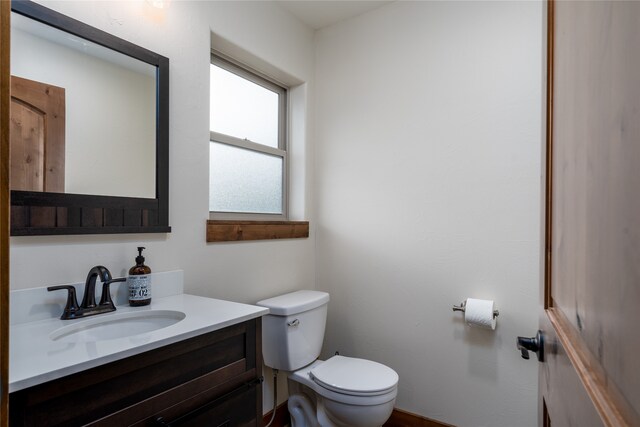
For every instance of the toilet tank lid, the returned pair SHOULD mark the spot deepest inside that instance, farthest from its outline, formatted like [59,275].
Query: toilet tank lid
[294,302]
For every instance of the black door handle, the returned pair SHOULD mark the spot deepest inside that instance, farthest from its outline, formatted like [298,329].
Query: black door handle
[535,344]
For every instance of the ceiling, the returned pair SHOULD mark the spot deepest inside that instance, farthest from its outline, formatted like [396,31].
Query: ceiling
[322,13]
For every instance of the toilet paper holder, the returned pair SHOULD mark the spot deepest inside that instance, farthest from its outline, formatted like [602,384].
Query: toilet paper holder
[462,305]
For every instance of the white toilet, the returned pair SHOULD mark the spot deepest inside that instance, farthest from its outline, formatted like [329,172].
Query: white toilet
[339,392]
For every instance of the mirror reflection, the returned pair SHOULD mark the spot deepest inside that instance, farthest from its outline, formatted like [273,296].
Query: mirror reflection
[83,117]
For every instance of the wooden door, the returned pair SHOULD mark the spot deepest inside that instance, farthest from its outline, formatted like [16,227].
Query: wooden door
[590,375]
[37,136]
[5,17]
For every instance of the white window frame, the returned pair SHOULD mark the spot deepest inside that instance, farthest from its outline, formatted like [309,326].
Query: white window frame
[258,78]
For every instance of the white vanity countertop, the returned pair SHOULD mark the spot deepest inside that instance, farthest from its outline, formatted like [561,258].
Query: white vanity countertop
[35,358]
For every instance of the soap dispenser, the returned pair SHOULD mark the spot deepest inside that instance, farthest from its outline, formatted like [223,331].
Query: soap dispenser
[139,282]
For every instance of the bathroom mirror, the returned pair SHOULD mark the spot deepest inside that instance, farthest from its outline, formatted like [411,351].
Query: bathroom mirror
[89,129]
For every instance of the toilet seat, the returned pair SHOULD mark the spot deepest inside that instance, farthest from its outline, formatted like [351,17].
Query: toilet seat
[354,377]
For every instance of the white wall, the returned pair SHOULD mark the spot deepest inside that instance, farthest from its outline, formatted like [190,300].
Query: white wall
[428,133]
[244,272]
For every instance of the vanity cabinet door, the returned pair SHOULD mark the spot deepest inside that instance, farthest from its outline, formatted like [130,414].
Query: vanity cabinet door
[233,409]
[170,381]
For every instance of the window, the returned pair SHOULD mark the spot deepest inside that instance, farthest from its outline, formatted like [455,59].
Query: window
[248,157]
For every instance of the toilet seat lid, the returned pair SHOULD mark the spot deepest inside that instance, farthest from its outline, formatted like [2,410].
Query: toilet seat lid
[350,375]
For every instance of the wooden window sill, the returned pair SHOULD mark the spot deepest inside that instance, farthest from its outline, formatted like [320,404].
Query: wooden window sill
[235,231]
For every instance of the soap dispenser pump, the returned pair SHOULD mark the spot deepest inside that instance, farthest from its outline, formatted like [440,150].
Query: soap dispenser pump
[139,282]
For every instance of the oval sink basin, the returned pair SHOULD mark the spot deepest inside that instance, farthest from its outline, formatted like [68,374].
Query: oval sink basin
[114,326]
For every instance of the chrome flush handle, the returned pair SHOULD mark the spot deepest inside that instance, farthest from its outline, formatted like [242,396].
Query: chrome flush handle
[294,322]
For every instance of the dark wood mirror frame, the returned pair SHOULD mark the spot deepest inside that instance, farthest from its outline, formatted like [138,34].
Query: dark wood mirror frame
[45,213]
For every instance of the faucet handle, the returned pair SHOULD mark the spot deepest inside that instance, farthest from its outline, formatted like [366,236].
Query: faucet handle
[71,309]
[105,298]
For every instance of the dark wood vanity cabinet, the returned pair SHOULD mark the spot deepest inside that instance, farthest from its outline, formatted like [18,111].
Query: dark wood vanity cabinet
[209,380]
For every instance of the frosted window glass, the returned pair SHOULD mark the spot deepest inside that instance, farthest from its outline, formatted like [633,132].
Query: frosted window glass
[244,181]
[242,108]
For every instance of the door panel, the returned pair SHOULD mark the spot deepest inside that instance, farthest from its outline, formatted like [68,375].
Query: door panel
[37,136]
[592,257]
[27,147]
[5,102]
[565,396]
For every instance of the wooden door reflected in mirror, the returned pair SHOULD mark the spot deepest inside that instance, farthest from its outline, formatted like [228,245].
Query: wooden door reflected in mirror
[37,136]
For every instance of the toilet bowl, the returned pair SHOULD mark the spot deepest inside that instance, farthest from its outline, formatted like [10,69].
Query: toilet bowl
[339,392]
[343,392]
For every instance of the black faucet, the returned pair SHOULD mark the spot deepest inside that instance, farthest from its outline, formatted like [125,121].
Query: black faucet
[89,306]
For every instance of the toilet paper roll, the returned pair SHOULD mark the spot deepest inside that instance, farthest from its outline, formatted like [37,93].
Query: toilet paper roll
[479,313]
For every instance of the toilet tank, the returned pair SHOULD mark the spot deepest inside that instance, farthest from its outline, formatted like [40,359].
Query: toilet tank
[293,331]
